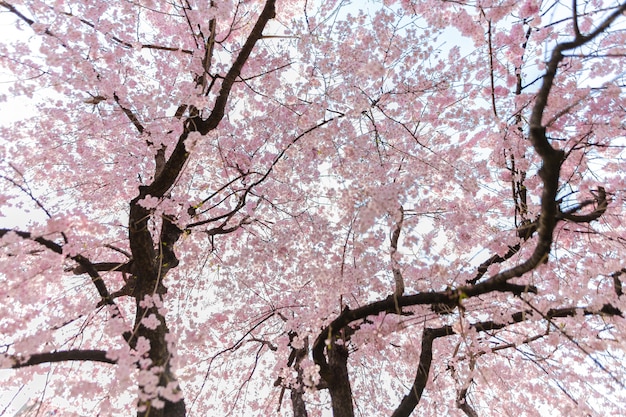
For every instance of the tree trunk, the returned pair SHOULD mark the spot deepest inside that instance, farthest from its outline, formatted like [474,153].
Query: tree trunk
[339,382]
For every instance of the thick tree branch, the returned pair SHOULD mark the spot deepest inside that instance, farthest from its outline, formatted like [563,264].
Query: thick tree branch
[464,405]
[151,264]
[410,401]
[450,298]
[297,392]
[617,283]
[140,238]
[529,228]
[124,267]
[179,156]
[170,233]
[209,47]
[298,404]
[269,12]
[337,378]
[58,356]
[552,158]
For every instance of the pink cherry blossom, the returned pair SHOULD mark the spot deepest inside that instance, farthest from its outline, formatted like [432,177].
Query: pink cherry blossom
[313,207]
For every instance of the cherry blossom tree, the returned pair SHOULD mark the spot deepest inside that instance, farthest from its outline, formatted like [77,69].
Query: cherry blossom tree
[299,208]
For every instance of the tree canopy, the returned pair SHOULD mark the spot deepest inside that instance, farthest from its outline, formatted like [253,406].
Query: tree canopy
[296,208]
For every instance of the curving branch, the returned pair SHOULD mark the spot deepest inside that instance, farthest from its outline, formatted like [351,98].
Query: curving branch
[221,229]
[129,45]
[410,401]
[528,229]
[551,166]
[449,298]
[179,156]
[412,398]
[495,259]
[53,246]
[58,356]
[116,39]
[546,222]
[84,263]
[601,206]
[28,21]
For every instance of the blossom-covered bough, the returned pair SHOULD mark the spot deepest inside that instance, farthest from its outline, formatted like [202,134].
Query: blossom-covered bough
[377,207]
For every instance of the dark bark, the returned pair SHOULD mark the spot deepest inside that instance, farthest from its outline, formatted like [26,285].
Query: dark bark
[62,356]
[81,260]
[410,401]
[617,283]
[150,270]
[412,398]
[297,401]
[297,393]
[153,257]
[179,156]
[338,380]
